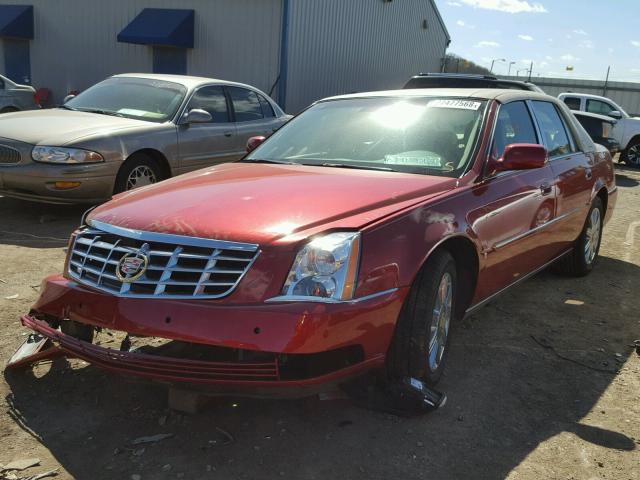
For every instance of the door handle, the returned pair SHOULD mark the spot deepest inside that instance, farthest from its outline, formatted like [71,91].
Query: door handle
[228,134]
[588,174]
[545,188]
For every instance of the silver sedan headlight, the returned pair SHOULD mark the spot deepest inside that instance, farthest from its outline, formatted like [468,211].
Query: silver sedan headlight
[64,155]
[325,268]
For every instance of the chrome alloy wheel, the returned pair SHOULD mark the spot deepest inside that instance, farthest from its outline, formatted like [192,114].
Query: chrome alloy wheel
[594,228]
[440,321]
[633,154]
[140,177]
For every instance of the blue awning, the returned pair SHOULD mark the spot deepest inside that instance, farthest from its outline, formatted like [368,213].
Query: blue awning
[160,26]
[16,21]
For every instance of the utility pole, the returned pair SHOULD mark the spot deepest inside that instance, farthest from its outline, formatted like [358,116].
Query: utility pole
[530,70]
[606,82]
[509,72]
[494,61]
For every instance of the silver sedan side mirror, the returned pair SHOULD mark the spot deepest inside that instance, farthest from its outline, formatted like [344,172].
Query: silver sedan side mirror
[197,115]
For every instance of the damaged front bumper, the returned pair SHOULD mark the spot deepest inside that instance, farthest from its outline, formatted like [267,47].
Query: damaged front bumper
[288,348]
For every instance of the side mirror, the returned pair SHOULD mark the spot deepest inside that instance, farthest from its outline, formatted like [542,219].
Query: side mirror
[67,98]
[522,156]
[197,115]
[615,114]
[254,142]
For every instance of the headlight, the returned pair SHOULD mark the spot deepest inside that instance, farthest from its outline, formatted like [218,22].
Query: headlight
[326,268]
[64,155]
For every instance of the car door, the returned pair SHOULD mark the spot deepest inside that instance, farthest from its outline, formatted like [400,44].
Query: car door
[571,168]
[253,115]
[518,210]
[204,144]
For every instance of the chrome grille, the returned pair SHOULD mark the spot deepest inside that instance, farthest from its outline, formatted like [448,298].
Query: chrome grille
[178,266]
[9,155]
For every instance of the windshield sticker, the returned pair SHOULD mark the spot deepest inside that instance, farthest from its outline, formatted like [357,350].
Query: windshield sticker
[417,158]
[139,113]
[131,111]
[461,104]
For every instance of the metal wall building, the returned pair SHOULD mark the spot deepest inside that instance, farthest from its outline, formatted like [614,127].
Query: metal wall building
[300,50]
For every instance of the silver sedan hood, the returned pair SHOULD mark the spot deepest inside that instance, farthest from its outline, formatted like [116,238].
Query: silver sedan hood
[60,127]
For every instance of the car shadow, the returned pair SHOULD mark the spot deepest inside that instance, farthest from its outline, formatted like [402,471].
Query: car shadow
[625,181]
[37,225]
[525,368]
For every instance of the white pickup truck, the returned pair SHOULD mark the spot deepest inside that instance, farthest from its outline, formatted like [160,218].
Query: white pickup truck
[627,129]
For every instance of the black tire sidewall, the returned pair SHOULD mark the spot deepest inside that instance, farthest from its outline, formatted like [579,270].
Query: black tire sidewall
[582,262]
[432,376]
[626,159]
[408,355]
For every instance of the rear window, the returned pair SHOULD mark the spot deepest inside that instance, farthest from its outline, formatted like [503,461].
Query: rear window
[572,102]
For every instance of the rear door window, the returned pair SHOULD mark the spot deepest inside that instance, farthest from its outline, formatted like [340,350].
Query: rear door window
[245,104]
[572,102]
[267,109]
[554,133]
[514,125]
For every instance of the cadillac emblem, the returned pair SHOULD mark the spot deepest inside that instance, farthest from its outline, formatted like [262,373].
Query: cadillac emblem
[132,266]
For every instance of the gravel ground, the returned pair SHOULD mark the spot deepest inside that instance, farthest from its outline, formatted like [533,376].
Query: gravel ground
[541,383]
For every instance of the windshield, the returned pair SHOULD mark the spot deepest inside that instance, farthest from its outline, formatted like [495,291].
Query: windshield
[139,98]
[425,135]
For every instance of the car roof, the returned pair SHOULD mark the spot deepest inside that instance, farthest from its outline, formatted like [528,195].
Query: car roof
[584,95]
[503,95]
[186,80]
[473,77]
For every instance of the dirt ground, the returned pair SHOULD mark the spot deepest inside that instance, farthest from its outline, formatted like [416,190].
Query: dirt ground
[516,409]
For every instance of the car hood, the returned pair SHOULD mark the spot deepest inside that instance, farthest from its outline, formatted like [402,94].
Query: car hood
[60,127]
[262,203]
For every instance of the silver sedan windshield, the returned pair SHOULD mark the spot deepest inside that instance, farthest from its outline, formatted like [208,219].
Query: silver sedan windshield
[139,98]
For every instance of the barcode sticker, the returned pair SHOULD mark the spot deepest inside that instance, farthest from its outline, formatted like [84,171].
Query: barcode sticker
[454,103]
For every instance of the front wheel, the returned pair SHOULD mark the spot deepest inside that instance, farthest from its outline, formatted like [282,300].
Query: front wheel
[421,337]
[631,155]
[580,261]
[138,171]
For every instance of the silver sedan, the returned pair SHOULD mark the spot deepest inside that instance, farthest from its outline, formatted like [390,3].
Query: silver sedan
[15,97]
[129,131]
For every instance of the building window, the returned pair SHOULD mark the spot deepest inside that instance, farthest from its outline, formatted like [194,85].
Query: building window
[170,60]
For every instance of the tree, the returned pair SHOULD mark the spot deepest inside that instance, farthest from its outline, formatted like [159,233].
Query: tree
[456,64]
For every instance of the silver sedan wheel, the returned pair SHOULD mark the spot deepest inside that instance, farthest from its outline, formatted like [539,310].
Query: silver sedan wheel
[140,177]
[440,321]
[633,154]
[594,228]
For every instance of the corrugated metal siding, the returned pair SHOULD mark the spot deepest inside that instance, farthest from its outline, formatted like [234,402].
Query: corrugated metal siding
[75,41]
[625,94]
[339,46]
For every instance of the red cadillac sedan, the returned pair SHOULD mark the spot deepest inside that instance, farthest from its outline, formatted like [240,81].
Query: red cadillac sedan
[350,240]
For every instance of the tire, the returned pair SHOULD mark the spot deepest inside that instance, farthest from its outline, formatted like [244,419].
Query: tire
[8,110]
[631,155]
[581,260]
[138,171]
[410,353]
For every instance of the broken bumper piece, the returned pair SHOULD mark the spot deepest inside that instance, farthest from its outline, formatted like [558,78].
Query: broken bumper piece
[270,374]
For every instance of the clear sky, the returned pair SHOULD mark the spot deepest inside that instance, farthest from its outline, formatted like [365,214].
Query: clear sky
[588,35]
